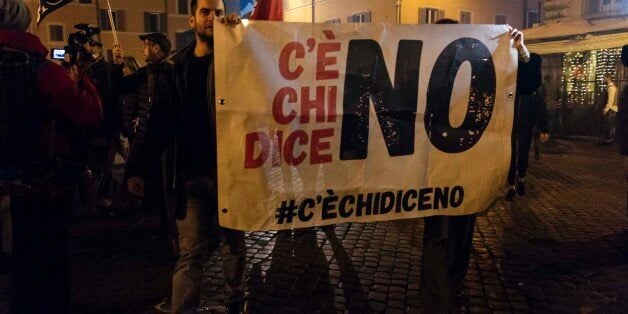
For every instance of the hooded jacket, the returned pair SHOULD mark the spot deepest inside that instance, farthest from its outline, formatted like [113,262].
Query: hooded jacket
[75,106]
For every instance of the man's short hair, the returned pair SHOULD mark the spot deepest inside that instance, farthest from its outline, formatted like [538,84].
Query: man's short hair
[193,7]
[609,75]
[158,39]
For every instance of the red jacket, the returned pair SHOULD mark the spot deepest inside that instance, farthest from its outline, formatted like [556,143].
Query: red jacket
[57,92]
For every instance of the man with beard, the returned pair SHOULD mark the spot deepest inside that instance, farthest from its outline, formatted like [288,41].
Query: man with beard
[190,127]
[154,87]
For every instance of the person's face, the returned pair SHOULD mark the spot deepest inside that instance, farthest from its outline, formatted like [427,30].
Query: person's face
[607,80]
[203,19]
[150,51]
[95,50]
[126,71]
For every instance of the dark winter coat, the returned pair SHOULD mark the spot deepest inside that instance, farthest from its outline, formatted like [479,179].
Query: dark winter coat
[147,109]
[164,129]
[103,75]
[74,106]
[532,111]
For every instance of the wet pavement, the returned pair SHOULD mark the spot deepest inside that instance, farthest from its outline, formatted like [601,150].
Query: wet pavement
[562,248]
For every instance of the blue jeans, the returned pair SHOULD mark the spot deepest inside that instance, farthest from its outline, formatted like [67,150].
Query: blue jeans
[195,232]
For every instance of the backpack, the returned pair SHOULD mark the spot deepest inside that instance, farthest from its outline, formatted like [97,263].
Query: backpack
[18,112]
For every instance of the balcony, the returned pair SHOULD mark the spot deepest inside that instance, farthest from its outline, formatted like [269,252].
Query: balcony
[602,9]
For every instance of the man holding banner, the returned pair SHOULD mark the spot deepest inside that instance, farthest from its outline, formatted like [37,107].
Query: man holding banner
[447,241]
[367,122]
[194,136]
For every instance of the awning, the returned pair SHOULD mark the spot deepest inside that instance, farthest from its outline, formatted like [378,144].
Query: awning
[561,38]
[589,42]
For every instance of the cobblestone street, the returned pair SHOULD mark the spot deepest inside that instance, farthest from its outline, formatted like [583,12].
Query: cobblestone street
[563,249]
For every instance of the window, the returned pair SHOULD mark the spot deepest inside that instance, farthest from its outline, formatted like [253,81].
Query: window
[85,1]
[501,19]
[183,7]
[333,21]
[152,22]
[430,15]
[465,17]
[56,32]
[363,17]
[532,17]
[104,19]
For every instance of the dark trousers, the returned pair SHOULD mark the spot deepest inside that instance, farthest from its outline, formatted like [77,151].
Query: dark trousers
[102,152]
[520,151]
[155,200]
[609,125]
[195,241]
[42,277]
[446,251]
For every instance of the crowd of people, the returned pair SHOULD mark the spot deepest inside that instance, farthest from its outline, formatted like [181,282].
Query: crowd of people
[83,108]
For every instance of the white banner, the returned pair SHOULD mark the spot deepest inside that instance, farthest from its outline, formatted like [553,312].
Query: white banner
[326,123]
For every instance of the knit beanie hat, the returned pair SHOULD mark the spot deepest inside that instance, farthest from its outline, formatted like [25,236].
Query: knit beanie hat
[14,15]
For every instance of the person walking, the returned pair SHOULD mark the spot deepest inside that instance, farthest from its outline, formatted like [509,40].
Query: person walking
[190,126]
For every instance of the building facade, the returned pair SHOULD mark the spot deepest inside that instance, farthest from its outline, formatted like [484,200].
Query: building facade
[518,13]
[131,19]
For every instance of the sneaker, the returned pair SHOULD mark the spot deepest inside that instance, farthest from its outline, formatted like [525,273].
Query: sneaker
[164,306]
[510,196]
[521,188]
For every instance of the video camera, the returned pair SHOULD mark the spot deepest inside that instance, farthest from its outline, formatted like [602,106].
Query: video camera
[76,43]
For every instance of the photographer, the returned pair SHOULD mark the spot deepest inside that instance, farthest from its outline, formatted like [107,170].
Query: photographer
[104,140]
[42,158]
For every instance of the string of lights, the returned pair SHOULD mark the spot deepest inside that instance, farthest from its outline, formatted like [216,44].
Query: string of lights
[583,74]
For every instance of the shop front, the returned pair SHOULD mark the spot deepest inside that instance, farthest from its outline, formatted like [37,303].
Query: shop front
[573,66]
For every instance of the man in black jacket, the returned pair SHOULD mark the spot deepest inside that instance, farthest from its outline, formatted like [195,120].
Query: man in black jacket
[154,87]
[530,111]
[191,128]
[104,139]
[447,240]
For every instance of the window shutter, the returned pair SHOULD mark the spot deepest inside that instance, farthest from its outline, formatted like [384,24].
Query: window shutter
[422,16]
[440,15]
[104,20]
[163,23]
[147,22]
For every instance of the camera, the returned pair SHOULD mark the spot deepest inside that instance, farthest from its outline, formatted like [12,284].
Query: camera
[77,40]
[58,54]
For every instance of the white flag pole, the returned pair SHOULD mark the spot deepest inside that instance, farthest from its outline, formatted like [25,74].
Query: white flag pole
[113,25]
